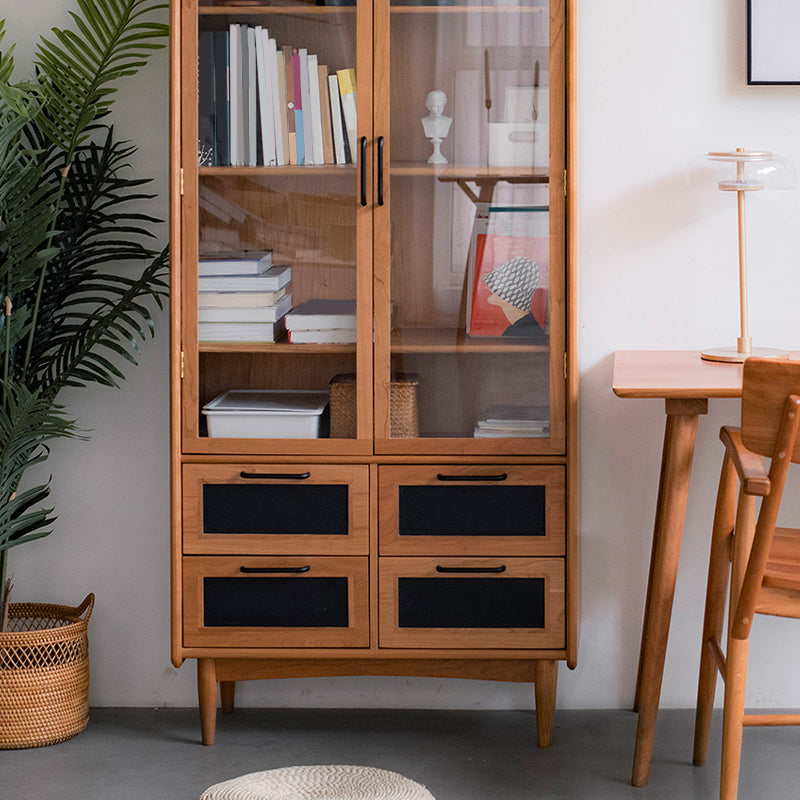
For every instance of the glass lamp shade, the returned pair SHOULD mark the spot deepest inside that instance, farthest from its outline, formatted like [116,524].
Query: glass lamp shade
[741,171]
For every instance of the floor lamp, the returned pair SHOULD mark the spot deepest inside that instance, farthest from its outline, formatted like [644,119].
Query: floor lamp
[743,171]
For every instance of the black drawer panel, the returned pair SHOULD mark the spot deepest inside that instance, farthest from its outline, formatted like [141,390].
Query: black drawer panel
[275,602]
[275,509]
[471,602]
[472,510]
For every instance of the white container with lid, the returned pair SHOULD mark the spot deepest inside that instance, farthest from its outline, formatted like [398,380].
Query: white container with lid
[266,413]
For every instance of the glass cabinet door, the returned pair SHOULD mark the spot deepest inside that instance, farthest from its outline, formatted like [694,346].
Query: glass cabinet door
[277,227]
[470,221]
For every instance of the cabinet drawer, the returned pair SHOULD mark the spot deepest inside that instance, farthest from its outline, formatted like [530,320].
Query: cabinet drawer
[275,602]
[276,508]
[472,510]
[472,603]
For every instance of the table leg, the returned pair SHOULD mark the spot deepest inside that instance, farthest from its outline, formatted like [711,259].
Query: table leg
[673,492]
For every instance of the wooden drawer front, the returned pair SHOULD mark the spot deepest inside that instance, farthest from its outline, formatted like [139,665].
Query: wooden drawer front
[472,510]
[276,602]
[271,508]
[472,603]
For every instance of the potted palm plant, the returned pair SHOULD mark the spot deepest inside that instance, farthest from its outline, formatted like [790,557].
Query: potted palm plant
[69,314]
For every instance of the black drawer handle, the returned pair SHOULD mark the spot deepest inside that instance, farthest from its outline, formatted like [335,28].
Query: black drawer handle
[496,570]
[501,477]
[380,170]
[285,476]
[265,570]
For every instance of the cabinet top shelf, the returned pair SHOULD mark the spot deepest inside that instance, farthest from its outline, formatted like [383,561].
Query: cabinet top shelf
[301,8]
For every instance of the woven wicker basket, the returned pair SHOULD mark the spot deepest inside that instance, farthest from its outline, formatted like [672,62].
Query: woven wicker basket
[44,674]
[403,406]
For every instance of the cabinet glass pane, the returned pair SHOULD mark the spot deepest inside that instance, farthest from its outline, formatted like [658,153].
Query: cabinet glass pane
[471,602]
[474,285]
[271,179]
[275,509]
[275,602]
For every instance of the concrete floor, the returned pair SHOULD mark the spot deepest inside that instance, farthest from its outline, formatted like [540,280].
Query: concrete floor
[155,754]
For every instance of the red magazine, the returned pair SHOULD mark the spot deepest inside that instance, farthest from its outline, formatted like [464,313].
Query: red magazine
[509,276]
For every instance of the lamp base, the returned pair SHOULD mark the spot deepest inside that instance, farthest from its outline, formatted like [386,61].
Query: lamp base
[733,356]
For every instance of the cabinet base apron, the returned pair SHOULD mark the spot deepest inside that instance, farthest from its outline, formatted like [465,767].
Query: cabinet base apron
[217,677]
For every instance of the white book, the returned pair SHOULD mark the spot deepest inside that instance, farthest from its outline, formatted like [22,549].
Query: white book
[240,331]
[240,299]
[234,92]
[308,111]
[336,119]
[232,264]
[251,97]
[270,59]
[324,336]
[316,109]
[281,121]
[265,101]
[347,93]
[246,313]
[273,279]
[322,313]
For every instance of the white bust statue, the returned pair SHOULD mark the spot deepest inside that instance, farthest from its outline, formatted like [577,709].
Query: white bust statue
[436,125]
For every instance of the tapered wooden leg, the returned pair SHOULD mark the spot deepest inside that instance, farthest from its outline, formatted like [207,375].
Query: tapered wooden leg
[207,697]
[545,692]
[733,716]
[716,595]
[227,690]
[676,467]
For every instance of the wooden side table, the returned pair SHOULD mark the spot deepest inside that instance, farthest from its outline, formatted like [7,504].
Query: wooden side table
[686,383]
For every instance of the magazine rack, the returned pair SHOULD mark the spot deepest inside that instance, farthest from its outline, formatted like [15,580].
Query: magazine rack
[444,546]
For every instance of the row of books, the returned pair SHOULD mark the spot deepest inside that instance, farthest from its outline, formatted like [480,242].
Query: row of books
[265,105]
[242,298]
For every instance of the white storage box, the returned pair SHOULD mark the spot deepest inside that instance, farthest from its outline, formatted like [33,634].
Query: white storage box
[266,414]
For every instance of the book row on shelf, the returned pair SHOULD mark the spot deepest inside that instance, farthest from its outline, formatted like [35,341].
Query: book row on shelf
[266,104]
[246,298]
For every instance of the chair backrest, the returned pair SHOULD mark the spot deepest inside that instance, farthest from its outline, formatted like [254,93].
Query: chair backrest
[766,385]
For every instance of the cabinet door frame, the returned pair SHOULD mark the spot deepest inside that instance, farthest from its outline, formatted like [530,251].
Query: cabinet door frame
[354,568]
[552,635]
[354,476]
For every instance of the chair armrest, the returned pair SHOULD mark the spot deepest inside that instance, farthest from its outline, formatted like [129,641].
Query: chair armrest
[749,465]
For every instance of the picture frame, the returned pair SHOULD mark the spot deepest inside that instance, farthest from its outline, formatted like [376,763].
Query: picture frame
[773,50]
[509,272]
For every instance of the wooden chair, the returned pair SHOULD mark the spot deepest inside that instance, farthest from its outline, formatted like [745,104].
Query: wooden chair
[761,560]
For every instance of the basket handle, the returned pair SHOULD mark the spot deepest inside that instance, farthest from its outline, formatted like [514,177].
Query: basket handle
[88,603]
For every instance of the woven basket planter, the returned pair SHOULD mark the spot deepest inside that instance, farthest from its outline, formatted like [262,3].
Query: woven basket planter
[44,674]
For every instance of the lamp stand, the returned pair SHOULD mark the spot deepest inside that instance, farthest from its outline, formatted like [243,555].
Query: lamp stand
[744,347]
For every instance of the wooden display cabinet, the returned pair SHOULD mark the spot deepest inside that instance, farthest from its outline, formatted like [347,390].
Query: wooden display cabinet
[432,551]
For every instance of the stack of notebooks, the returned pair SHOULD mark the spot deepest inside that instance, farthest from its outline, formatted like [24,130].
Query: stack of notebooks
[514,421]
[322,321]
[263,103]
[243,297]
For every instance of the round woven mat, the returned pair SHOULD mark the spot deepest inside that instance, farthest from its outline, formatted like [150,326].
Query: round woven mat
[332,782]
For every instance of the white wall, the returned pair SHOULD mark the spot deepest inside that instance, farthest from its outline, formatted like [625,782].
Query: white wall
[659,83]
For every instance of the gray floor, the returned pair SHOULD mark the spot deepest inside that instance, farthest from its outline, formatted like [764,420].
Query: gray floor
[154,754]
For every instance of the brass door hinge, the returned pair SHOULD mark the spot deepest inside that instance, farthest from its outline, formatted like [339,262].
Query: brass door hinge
[181,181]
[183,356]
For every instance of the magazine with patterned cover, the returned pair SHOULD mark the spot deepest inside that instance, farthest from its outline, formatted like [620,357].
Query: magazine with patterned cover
[509,272]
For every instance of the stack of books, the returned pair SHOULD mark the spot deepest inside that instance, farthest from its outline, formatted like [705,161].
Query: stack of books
[265,104]
[322,321]
[242,297]
[513,421]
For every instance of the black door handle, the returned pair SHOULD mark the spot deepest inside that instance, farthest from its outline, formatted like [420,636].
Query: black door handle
[363,170]
[500,477]
[287,476]
[501,568]
[263,570]
[380,170]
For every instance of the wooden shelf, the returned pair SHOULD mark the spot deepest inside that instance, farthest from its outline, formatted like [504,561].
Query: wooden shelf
[453,340]
[470,172]
[239,11]
[275,348]
[489,9]
[293,170]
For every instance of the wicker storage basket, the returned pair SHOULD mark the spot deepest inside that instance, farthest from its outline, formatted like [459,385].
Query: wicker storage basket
[44,674]
[403,406]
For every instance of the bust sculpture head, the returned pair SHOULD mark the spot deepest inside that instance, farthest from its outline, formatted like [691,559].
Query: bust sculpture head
[436,125]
